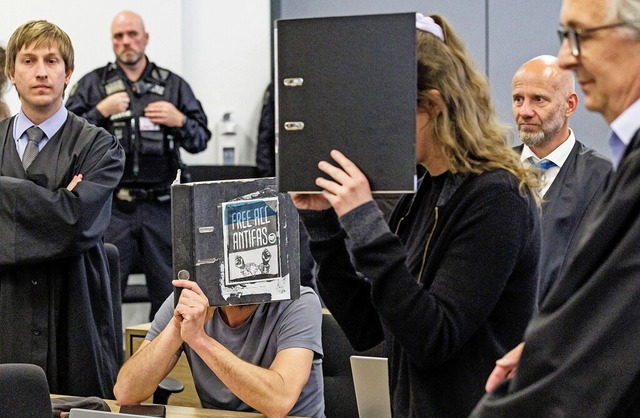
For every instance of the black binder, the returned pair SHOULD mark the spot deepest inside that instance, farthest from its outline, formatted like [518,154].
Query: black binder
[238,239]
[346,83]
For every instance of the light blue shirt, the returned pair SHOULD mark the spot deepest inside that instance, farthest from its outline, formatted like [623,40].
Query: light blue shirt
[49,127]
[623,128]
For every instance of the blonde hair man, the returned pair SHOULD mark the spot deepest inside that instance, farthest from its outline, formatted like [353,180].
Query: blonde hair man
[58,175]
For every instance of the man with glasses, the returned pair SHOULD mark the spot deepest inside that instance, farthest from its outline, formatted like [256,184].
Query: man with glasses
[581,352]
[543,98]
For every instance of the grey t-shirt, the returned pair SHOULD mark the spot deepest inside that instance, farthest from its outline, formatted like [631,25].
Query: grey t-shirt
[272,327]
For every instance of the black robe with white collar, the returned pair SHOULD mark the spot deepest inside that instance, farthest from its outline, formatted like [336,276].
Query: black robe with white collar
[580,181]
[582,350]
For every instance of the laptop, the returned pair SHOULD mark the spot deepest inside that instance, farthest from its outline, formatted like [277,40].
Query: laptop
[371,384]
[88,413]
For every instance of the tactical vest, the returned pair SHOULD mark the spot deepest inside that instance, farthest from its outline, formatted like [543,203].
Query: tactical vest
[151,155]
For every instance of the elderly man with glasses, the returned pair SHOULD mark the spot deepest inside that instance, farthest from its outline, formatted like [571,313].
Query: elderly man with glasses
[581,352]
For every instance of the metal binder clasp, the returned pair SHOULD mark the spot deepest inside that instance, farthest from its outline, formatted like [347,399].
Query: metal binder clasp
[293,82]
[294,126]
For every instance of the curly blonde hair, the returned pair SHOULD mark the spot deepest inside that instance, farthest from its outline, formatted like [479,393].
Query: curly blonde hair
[465,124]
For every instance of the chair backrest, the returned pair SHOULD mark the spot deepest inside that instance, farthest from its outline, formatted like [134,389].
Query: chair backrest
[113,258]
[138,292]
[339,394]
[24,391]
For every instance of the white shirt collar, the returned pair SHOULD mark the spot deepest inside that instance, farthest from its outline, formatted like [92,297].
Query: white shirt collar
[49,126]
[558,155]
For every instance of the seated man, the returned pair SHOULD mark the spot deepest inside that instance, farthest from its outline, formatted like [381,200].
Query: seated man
[264,357]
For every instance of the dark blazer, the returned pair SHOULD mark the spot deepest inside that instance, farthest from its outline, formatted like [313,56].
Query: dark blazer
[581,356]
[581,179]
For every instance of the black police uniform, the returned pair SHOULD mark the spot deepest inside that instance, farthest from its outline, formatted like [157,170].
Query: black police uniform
[141,219]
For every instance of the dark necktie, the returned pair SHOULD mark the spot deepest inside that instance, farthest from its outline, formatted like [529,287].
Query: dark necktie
[35,135]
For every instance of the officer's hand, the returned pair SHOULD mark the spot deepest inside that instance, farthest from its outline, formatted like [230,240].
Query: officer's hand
[115,103]
[164,113]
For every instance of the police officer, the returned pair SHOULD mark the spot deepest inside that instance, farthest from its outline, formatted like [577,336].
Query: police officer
[153,113]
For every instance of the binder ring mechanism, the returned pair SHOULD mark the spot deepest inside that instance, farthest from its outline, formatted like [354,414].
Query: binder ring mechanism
[293,82]
[294,126]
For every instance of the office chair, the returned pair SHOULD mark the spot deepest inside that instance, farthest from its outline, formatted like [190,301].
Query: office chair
[167,387]
[113,258]
[339,394]
[136,293]
[24,391]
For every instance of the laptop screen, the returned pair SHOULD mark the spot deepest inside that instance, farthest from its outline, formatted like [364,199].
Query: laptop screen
[371,384]
[88,413]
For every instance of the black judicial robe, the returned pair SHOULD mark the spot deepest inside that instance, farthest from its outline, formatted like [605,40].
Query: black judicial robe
[582,349]
[55,304]
[579,182]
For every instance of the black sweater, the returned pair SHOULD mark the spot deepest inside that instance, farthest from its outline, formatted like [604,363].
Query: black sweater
[444,330]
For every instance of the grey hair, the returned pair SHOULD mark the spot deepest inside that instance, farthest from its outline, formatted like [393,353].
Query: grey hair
[629,11]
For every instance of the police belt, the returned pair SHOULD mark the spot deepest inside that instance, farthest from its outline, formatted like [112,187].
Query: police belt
[142,195]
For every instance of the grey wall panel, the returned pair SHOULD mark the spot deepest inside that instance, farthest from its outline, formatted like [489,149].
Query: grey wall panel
[468,20]
[518,32]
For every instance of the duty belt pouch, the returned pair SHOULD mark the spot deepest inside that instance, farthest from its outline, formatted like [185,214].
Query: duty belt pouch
[148,151]
[151,138]
[155,153]
[123,200]
[119,130]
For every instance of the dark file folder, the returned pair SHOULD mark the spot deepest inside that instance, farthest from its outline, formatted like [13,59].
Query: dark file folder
[238,239]
[346,83]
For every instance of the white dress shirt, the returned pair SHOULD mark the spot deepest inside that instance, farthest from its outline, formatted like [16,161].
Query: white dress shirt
[558,156]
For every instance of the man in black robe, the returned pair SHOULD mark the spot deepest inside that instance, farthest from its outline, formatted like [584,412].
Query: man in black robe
[543,99]
[581,356]
[55,203]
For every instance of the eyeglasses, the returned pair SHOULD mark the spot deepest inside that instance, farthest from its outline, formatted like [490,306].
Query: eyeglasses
[574,35]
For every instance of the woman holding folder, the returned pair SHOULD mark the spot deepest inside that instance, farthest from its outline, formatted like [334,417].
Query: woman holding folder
[449,284]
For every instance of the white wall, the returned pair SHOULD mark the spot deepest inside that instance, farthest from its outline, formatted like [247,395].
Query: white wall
[222,48]
[227,59]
